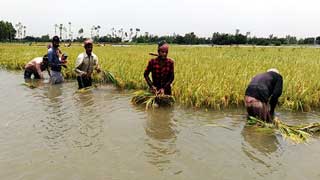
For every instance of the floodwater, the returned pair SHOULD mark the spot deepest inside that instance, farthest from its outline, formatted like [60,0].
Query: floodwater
[51,132]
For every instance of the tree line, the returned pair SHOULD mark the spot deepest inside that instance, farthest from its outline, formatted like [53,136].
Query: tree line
[8,34]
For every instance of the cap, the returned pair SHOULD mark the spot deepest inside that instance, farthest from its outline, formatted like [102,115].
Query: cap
[273,70]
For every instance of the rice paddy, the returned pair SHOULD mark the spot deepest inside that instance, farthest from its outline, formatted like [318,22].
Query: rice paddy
[205,77]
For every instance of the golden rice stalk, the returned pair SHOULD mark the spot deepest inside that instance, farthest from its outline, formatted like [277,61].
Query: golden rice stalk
[151,100]
[297,134]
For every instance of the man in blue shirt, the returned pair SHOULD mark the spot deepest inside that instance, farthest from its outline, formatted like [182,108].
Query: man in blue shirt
[54,61]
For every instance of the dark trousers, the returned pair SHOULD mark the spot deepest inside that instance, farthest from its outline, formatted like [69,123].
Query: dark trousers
[28,73]
[84,82]
[258,109]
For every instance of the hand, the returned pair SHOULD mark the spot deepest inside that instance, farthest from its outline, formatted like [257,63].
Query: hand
[161,91]
[83,74]
[154,89]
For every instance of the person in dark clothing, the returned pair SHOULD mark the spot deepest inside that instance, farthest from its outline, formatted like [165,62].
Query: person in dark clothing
[262,93]
[162,70]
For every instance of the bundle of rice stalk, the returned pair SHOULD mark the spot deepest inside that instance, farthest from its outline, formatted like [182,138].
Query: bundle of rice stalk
[297,134]
[151,100]
[108,77]
[30,85]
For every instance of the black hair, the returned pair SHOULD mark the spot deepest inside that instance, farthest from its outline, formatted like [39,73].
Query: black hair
[55,39]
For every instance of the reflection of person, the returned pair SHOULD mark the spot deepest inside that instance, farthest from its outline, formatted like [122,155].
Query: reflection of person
[85,64]
[264,142]
[261,96]
[162,70]
[161,131]
[35,67]
[159,125]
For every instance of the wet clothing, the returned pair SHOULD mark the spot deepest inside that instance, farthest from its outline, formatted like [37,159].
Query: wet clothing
[266,88]
[162,74]
[84,81]
[85,63]
[28,73]
[258,109]
[56,77]
[35,67]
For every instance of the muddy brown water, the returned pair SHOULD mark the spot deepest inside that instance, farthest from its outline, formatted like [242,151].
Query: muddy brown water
[51,132]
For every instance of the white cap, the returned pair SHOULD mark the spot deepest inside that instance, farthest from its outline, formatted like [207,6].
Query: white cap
[273,70]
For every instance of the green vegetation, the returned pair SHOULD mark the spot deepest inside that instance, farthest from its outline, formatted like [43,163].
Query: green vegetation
[210,77]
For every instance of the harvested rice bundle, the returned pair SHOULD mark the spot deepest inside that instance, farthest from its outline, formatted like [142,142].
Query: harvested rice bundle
[151,100]
[297,134]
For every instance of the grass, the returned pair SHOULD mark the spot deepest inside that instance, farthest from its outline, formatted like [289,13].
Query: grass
[210,77]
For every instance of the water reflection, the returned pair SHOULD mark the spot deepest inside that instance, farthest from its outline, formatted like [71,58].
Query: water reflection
[161,131]
[259,145]
[55,124]
[89,133]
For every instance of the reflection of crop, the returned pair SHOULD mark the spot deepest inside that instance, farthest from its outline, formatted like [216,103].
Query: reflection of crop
[212,77]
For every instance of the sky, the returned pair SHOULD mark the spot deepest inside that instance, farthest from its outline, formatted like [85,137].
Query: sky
[261,18]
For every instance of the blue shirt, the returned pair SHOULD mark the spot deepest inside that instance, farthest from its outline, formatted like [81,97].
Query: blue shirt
[53,59]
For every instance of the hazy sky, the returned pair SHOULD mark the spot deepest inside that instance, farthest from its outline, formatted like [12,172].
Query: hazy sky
[300,18]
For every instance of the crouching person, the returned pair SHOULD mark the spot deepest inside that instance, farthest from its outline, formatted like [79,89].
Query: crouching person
[35,67]
[262,93]
[85,64]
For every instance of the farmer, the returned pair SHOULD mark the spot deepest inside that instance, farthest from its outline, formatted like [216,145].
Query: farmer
[55,64]
[85,64]
[261,96]
[35,67]
[162,70]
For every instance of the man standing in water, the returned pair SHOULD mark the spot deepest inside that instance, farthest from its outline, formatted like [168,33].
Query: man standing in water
[85,64]
[54,61]
[261,96]
[162,70]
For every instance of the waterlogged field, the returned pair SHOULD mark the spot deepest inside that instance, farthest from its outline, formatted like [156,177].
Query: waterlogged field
[209,77]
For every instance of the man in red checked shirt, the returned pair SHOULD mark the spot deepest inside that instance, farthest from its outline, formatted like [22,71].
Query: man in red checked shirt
[162,70]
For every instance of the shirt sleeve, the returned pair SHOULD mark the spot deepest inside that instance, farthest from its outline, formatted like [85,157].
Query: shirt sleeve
[171,75]
[147,72]
[79,61]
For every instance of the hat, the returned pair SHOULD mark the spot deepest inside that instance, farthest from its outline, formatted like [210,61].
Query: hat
[273,70]
[55,39]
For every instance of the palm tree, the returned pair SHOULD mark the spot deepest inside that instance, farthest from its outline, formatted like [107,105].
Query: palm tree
[70,33]
[24,31]
[60,28]
[55,29]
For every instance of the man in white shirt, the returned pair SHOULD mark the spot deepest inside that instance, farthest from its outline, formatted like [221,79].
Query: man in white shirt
[85,64]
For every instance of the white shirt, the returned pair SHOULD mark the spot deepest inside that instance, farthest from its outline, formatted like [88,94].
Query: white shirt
[85,63]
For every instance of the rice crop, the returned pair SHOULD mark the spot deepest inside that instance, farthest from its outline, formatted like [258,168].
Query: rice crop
[210,77]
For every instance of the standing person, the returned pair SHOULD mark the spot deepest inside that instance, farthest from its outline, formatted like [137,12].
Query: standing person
[262,93]
[162,70]
[54,61]
[85,64]
[35,67]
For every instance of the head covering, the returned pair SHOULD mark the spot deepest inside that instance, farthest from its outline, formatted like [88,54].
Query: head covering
[163,45]
[55,39]
[273,70]
[87,42]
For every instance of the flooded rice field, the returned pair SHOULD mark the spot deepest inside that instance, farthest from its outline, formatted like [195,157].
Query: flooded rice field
[52,132]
